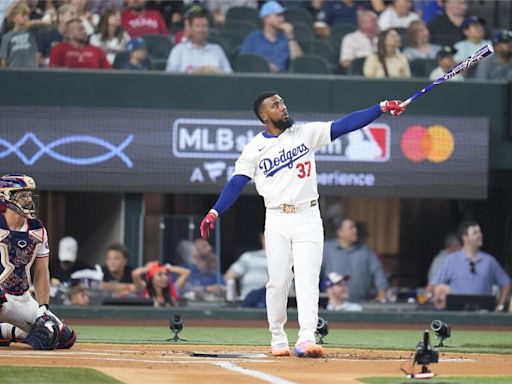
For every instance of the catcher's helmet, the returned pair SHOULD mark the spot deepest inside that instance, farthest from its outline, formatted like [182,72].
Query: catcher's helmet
[11,185]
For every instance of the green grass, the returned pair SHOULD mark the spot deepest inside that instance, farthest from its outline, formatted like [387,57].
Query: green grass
[461,341]
[60,375]
[440,380]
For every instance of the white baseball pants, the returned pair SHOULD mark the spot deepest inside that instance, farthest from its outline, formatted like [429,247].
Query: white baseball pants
[20,311]
[293,240]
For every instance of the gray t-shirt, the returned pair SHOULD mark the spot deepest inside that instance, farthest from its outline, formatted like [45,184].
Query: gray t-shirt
[19,49]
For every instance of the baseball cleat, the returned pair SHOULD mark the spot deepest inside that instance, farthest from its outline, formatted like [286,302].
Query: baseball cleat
[281,349]
[308,349]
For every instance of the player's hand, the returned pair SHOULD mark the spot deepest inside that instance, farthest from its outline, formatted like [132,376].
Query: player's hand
[207,224]
[392,106]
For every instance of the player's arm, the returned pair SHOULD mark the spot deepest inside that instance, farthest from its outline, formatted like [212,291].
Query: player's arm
[227,198]
[359,119]
[42,280]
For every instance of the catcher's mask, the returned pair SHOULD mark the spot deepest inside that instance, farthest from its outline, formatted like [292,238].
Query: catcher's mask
[18,193]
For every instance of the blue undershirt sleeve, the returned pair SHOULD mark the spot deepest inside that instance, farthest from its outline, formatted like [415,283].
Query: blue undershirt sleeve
[230,193]
[354,120]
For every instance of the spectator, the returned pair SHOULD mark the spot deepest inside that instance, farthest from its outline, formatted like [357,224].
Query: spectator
[337,293]
[255,299]
[76,52]
[68,251]
[397,15]
[276,41]
[89,19]
[470,271]
[250,269]
[316,9]
[138,55]
[499,65]
[451,245]
[473,28]
[18,47]
[196,55]
[419,44]
[157,283]
[171,11]
[428,9]
[183,35]
[185,250]
[78,295]
[445,61]
[137,21]
[362,42]
[47,40]
[110,36]
[344,11]
[345,256]
[445,29]
[204,283]
[388,61]
[117,273]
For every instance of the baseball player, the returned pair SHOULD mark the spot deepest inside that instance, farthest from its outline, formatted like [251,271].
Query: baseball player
[281,162]
[23,243]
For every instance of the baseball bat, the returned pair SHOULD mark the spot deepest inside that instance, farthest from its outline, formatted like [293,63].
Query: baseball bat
[463,65]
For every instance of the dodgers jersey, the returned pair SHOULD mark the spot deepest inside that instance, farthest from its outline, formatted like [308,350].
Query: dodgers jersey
[283,167]
[18,251]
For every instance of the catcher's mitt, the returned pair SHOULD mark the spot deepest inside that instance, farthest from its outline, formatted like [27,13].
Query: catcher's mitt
[43,334]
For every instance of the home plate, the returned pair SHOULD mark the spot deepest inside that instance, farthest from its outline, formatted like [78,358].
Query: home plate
[229,355]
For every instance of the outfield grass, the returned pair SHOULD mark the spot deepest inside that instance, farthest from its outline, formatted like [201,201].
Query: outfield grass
[461,341]
[60,375]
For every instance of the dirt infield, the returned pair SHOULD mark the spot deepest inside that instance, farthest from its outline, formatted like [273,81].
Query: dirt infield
[173,363]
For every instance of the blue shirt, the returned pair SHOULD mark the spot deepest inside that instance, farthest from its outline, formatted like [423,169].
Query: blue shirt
[337,12]
[361,263]
[199,279]
[276,52]
[456,272]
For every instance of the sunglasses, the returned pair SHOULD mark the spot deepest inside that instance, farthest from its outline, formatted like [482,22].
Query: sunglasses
[472,265]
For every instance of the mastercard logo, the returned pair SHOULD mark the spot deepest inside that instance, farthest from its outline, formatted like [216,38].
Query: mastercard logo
[434,143]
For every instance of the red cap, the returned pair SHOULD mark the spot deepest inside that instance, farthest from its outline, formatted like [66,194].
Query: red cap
[154,268]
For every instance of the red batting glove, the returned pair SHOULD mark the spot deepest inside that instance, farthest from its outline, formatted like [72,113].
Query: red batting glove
[207,224]
[392,106]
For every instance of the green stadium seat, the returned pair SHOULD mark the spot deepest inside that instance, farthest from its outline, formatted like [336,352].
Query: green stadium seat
[422,67]
[243,14]
[158,46]
[311,64]
[298,14]
[356,68]
[338,31]
[250,63]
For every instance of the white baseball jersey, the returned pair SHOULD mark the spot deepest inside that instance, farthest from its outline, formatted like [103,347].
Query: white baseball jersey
[283,167]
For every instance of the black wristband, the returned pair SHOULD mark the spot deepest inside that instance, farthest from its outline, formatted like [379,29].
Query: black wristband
[47,306]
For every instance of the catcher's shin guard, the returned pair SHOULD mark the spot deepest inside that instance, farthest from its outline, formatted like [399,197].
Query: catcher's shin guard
[43,335]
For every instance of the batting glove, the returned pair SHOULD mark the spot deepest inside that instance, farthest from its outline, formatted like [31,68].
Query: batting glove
[208,223]
[392,106]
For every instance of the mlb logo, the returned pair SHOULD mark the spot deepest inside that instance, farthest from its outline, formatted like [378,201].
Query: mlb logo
[369,144]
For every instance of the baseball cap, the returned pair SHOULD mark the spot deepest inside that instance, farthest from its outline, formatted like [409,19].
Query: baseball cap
[334,278]
[68,248]
[153,269]
[134,44]
[446,51]
[271,8]
[472,20]
[502,36]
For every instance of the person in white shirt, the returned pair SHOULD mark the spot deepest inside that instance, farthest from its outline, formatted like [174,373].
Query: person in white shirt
[196,55]
[362,42]
[445,61]
[473,28]
[397,15]
[281,161]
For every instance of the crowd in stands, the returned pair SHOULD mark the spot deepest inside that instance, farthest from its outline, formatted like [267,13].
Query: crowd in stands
[375,39]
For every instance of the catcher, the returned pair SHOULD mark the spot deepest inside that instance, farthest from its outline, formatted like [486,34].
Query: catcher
[23,244]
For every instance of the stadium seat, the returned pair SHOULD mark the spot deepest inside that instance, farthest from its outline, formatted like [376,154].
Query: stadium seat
[298,14]
[311,64]
[158,46]
[422,67]
[321,48]
[338,31]
[356,68]
[303,31]
[250,63]
[121,59]
[243,14]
